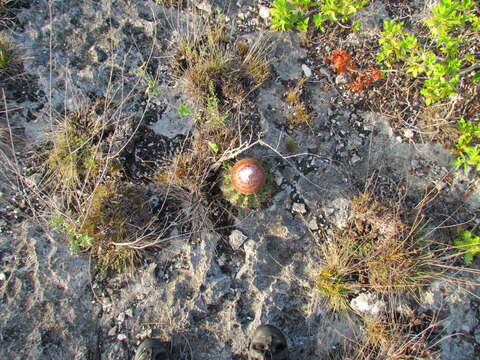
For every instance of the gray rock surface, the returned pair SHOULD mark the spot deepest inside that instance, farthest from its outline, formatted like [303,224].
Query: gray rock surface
[207,297]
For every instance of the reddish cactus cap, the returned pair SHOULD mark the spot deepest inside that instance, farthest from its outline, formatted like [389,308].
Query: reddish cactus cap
[247,176]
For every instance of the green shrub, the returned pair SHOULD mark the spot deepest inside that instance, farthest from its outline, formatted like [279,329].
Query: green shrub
[467,147]
[296,14]
[439,60]
[77,241]
[469,243]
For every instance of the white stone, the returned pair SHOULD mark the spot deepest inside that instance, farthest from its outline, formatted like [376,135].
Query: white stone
[122,337]
[236,238]
[368,303]
[3,277]
[299,208]
[112,331]
[312,224]
[355,159]
[306,70]
[408,133]
[205,6]
[264,12]
[172,124]
[341,79]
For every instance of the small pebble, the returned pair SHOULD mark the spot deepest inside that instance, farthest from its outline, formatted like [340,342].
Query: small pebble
[236,238]
[299,208]
[122,337]
[112,331]
[144,334]
[312,224]
[306,70]
[355,159]
[264,12]
[408,134]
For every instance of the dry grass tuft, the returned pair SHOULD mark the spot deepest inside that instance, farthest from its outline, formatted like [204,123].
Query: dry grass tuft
[208,62]
[437,124]
[116,224]
[6,14]
[190,176]
[377,251]
[4,138]
[392,337]
[74,159]
[119,221]
[10,59]
[84,195]
[332,281]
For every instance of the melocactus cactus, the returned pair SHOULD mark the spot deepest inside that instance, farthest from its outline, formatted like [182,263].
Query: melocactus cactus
[245,183]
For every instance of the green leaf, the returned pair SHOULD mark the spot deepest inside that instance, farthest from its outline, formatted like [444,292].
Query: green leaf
[303,25]
[469,243]
[476,77]
[184,110]
[214,146]
[318,21]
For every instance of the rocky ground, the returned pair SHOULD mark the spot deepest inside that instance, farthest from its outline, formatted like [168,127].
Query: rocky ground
[208,296]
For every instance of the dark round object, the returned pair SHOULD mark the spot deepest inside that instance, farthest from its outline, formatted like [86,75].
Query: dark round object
[247,176]
[268,342]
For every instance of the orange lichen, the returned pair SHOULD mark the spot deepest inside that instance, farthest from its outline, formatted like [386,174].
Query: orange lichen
[364,79]
[341,61]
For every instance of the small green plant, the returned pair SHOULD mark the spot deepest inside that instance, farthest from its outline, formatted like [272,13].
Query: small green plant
[151,83]
[184,110]
[396,44]
[213,113]
[291,14]
[469,243]
[76,241]
[467,147]
[337,11]
[214,146]
[296,14]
